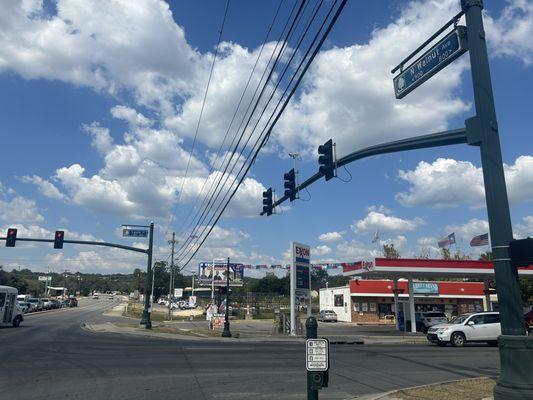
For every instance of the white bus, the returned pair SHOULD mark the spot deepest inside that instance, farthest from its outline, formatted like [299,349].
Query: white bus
[10,312]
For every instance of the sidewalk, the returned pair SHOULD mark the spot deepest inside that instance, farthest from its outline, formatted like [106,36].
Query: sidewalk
[167,331]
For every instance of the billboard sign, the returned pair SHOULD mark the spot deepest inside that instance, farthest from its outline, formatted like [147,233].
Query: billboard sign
[439,56]
[209,274]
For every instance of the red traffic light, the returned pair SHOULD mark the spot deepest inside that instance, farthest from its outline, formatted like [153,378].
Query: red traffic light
[58,240]
[11,237]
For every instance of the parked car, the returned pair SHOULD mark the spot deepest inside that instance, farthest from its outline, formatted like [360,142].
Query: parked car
[55,304]
[95,296]
[425,320]
[327,316]
[37,303]
[47,303]
[475,327]
[25,306]
[111,297]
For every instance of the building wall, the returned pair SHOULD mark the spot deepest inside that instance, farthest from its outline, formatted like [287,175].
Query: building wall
[338,300]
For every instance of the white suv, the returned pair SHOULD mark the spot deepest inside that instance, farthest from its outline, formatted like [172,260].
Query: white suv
[477,327]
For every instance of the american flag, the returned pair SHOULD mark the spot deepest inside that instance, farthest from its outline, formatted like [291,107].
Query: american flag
[480,240]
[447,241]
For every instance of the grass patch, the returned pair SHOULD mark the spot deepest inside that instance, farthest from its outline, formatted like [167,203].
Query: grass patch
[472,389]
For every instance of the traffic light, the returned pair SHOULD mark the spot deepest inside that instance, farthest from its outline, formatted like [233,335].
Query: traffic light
[267,202]
[290,184]
[58,239]
[11,237]
[521,252]
[326,160]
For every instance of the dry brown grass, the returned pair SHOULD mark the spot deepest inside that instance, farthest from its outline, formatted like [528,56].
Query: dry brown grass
[471,389]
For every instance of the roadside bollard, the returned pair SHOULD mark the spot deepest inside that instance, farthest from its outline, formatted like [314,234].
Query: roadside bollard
[317,360]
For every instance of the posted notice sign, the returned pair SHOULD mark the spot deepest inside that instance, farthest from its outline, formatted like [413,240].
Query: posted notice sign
[317,354]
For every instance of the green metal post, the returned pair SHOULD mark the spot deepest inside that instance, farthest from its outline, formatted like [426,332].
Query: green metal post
[145,319]
[516,352]
[311,328]
[226,332]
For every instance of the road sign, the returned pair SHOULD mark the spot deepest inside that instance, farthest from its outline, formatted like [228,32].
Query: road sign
[439,56]
[45,278]
[317,354]
[134,232]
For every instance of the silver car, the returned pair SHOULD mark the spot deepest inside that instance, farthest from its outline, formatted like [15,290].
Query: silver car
[327,316]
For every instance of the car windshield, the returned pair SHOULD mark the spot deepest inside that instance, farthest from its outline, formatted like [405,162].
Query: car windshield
[460,319]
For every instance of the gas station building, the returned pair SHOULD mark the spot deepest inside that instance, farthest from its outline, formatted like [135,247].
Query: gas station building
[380,287]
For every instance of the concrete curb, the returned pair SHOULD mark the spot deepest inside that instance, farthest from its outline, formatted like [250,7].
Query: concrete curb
[387,395]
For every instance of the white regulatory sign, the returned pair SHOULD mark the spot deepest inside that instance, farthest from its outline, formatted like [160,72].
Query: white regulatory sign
[317,354]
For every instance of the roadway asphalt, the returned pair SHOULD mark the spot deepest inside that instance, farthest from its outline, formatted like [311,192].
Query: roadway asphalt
[50,356]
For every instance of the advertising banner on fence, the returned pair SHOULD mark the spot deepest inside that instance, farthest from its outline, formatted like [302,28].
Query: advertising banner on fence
[209,274]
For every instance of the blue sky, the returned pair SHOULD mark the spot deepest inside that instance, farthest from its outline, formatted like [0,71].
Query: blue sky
[99,105]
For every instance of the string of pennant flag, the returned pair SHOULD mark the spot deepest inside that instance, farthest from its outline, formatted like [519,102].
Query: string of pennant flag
[329,266]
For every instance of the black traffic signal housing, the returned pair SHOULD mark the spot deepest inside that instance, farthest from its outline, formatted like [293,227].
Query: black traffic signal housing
[521,252]
[11,237]
[326,160]
[58,239]
[267,202]
[290,184]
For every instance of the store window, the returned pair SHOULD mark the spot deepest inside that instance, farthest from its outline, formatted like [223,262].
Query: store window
[372,307]
[356,307]
[364,307]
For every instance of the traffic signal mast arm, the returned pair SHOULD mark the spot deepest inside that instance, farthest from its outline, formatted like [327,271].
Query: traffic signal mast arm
[445,138]
[118,246]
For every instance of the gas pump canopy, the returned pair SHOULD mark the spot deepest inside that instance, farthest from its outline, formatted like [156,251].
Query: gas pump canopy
[424,268]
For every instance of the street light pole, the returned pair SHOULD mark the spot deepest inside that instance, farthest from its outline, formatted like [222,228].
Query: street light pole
[516,351]
[226,332]
[145,319]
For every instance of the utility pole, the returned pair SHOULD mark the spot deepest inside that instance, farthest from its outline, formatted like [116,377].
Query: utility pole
[171,283]
[227,332]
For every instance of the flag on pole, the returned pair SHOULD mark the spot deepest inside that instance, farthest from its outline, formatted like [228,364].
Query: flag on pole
[480,240]
[447,241]
[376,237]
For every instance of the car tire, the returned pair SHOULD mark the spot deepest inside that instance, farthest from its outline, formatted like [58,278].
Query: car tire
[17,321]
[458,339]
[441,344]
[493,343]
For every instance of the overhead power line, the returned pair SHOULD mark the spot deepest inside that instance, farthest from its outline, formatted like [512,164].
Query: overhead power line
[255,149]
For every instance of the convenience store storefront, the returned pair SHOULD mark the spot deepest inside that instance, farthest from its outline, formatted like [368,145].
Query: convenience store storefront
[405,277]
[370,301]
